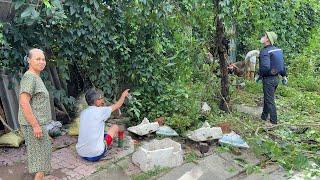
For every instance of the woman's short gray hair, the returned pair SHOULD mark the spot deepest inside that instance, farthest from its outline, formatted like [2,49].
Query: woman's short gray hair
[28,56]
[92,95]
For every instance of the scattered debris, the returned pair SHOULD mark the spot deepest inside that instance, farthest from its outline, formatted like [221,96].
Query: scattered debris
[163,153]
[241,85]
[209,58]
[166,131]
[203,147]
[54,128]
[225,127]
[205,108]
[205,133]
[234,140]
[145,127]
[160,121]
[298,130]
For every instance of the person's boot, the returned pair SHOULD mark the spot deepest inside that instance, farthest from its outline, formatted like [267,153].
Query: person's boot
[269,124]
[264,116]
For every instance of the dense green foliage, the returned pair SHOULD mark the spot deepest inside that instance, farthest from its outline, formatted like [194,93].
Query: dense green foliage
[293,21]
[155,48]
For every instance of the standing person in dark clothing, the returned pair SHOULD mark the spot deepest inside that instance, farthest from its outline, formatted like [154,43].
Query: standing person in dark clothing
[271,65]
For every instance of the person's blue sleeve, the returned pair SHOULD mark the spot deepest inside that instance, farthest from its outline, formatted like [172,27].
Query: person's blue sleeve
[284,71]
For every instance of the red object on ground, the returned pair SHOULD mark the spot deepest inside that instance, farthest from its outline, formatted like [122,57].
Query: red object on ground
[108,139]
[121,134]
[120,138]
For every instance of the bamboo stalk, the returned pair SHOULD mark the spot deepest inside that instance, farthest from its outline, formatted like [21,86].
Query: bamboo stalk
[5,124]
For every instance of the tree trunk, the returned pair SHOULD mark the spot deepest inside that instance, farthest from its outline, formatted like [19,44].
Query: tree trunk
[55,77]
[222,52]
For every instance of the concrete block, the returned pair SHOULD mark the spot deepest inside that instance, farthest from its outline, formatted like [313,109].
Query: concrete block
[254,111]
[166,131]
[205,108]
[205,133]
[163,153]
[145,127]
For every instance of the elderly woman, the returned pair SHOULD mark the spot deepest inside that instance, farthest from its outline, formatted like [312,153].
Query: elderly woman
[34,114]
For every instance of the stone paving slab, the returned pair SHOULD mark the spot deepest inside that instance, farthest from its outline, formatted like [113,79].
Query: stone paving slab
[211,167]
[65,162]
[9,156]
[251,110]
[177,172]
[132,169]
[218,168]
[124,162]
[128,166]
[247,156]
[17,172]
[72,166]
[113,172]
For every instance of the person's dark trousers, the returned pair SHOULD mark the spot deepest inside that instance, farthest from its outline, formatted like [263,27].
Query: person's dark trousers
[269,106]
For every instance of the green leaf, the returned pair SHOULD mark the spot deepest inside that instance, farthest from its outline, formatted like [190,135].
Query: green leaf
[27,12]
[47,3]
[18,4]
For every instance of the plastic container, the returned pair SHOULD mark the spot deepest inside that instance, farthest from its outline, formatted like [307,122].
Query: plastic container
[121,136]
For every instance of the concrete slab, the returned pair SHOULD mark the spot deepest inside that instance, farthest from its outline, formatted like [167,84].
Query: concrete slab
[194,174]
[208,168]
[254,111]
[178,172]
[124,163]
[248,156]
[205,133]
[145,127]
[112,172]
[132,169]
[215,167]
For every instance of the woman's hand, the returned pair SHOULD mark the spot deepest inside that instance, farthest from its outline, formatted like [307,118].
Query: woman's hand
[37,131]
